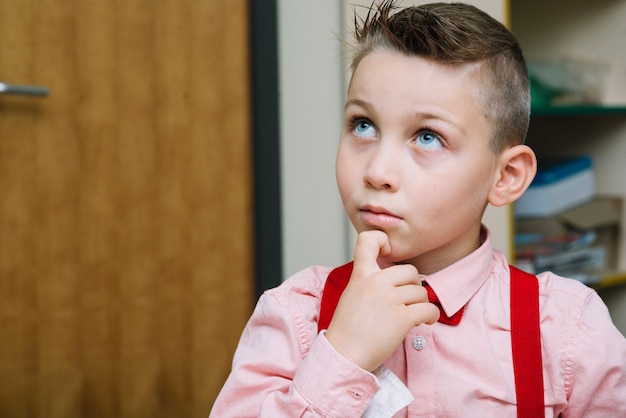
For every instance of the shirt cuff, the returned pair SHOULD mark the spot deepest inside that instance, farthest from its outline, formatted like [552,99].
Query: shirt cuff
[331,383]
[392,396]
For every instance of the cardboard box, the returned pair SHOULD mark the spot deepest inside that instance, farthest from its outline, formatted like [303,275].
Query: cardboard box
[581,243]
[603,216]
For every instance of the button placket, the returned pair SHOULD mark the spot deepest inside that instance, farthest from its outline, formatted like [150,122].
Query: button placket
[421,350]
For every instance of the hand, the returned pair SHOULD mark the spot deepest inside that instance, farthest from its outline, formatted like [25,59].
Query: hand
[378,307]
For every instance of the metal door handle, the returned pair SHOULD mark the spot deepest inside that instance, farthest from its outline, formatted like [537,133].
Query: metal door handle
[23,90]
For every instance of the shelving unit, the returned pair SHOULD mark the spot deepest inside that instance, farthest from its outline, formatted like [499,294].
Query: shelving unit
[597,131]
[591,32]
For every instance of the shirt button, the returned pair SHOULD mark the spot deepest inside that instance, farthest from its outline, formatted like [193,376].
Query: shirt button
[419,342]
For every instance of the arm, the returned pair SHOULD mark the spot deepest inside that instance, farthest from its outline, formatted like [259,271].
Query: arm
[282,368]
[596,365]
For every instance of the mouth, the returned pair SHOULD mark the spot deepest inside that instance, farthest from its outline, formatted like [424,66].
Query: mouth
[379,217]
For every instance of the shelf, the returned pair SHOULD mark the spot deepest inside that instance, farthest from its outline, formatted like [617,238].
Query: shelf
[611,280]
[577,110]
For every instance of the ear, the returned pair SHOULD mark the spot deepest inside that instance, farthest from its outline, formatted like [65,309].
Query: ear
[516,169]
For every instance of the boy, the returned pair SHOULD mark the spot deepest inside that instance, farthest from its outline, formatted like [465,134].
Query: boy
[436,115]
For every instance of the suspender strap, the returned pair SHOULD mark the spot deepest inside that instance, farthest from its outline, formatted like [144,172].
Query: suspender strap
[335,285]
[526,344]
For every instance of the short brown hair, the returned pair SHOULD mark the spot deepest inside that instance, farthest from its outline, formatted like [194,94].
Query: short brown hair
[456,34]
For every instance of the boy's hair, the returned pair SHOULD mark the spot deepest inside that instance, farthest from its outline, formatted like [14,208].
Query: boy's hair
[456,34]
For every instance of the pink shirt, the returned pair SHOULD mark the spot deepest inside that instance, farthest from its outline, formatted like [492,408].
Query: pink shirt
[284,368]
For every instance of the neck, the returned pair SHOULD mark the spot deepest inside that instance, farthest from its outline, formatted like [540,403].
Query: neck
[440,258]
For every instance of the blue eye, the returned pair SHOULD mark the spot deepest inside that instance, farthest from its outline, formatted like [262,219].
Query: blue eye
[363,128]
[429,140]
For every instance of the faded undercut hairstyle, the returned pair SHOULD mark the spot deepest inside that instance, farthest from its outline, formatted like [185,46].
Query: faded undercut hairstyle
[456,34]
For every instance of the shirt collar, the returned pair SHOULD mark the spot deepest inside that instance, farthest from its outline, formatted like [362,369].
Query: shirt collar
[457,283]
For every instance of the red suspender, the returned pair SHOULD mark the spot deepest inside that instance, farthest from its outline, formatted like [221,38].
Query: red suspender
[526,344]
[525,333]
[335,285]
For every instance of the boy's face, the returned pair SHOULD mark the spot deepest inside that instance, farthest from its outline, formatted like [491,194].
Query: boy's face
[414,158]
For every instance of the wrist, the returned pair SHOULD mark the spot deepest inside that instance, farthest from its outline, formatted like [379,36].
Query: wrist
[351,351]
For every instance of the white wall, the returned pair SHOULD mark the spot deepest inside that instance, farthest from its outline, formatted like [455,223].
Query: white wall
[311,113]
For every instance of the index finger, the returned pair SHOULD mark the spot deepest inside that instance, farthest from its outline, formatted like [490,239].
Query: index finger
[369,246]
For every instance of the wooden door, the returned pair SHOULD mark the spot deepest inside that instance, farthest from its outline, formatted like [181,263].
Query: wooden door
[125,206]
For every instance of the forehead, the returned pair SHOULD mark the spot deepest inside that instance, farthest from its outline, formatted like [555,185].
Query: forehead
[405,83]
[397,67]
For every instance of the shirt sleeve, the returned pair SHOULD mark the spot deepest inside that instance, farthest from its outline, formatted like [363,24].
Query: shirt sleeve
[283,368]
[595,369]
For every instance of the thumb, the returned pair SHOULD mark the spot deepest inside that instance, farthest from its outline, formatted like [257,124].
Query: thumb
[369,246]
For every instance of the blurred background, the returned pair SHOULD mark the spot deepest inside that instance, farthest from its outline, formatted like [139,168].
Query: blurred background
[182,161]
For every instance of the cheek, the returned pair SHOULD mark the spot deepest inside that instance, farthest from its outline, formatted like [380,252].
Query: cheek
[471,191]
[462,189]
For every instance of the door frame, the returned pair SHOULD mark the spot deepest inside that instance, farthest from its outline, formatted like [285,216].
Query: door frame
[266,144]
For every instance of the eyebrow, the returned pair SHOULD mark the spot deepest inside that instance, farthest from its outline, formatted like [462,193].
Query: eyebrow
[358,102]
[425,116]
[429,116]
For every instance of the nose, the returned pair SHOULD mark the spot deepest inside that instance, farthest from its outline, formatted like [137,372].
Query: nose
[382,172]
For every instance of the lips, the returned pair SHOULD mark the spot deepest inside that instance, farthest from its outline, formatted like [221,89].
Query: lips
[379,217]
